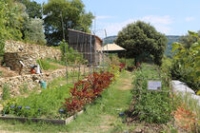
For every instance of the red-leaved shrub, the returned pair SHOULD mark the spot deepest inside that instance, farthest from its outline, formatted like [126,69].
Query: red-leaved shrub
[85,91]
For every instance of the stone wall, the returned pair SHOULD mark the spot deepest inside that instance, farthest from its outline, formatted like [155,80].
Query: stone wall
[30,81]
[28,54]
[12,60]
[39,50]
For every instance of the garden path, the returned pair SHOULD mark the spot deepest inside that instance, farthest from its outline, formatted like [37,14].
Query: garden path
[107,114]
[106,118]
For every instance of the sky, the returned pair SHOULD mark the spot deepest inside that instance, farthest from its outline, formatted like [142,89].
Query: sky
[169,17]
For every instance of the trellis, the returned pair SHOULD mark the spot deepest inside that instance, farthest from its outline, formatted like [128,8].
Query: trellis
[88,45]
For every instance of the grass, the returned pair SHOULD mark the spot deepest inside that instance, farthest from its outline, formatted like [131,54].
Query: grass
[191,104]
[49,64]
[5,92]
[150,70]
[48,102]
[101,116]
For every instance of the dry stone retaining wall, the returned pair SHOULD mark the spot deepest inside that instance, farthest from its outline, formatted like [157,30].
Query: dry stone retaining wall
[39,50]
[29,81]
[28,54]
[12,60]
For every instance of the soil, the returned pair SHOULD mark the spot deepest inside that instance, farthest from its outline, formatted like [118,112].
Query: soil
[6,72]
[142,127]
[126,83]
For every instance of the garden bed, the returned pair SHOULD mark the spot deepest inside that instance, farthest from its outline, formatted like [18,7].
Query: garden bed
[23,120]
[39,120]
[65,102]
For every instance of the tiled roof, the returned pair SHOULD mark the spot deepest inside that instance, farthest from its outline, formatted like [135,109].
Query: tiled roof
[111,47]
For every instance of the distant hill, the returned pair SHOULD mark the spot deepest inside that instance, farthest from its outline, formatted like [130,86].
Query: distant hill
[170,40]
[109,39]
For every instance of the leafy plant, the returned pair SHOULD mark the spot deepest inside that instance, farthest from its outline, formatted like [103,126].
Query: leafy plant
[34,31]
[47,64]
[103,112]
[6,92]
[186,63]
[69,55]
[151,106]
[45,104]
[86,91]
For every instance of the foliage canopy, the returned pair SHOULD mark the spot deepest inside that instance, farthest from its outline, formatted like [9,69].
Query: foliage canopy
[142,40]
[186,63]
[16,24]
[63,14]
[33,32]
[33,9]
[2,25]
[188,39]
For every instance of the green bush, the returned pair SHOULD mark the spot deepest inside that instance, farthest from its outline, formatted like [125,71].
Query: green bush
[186,62]
[47,64]
[45,104]
[6,92]
[130,62]
[153,106]
[70,55]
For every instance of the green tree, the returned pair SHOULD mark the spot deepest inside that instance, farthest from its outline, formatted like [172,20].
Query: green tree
[33,9]
[3,11]
[186,63]
[33,31]
[16,16]
[19,26]
[63,14]
[142,40]
[188,39]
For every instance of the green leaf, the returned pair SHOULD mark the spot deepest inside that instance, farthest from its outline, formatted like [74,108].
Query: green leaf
[198,73]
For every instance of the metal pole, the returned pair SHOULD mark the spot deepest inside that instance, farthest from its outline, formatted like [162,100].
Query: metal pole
[62,26]
[90,62]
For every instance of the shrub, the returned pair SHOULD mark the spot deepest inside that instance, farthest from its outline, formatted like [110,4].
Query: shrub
[6,92]
[70,55]
[151,106]
[45,104]
[85,91]
[186,63]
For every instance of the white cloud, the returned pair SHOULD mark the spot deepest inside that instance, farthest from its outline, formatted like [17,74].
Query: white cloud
[161,23]
[164,20]
[189,19]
